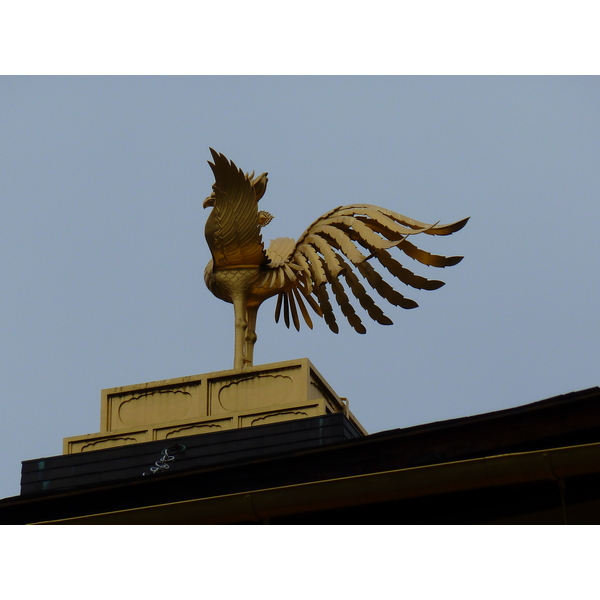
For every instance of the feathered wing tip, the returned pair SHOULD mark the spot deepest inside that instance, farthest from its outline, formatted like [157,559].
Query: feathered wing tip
[223,167]
[233,228]
[448,229]
[230,181]
[328,252]
[373,214]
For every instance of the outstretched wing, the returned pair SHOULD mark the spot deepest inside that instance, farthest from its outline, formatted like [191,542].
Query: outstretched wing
[329,252]
[232,229]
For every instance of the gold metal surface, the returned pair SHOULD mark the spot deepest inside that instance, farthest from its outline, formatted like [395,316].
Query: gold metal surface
[300,273]
[211,402]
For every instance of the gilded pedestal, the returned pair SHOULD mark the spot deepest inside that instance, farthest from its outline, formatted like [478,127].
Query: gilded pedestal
[211,402]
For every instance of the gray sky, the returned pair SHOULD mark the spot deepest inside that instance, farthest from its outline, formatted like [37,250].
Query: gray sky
[101,186]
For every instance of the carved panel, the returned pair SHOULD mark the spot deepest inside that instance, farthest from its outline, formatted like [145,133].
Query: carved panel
[257,391]
[149,407]
[193,429]
[111,442]
[279,416]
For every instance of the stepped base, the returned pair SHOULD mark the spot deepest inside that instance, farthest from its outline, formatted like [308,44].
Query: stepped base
[220,401]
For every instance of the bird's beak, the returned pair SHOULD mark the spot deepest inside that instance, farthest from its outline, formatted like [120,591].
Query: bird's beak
[210,201]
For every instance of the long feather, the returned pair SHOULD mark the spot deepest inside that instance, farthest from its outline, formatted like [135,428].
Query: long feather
[271,279]
[286,311]
[383,288]
[359,239]
[289,273]
[426,258]
[367,235]
[280,277]
[311,301]
[328,314]
[361,294]
[316,223]
[404,275]
[448,229]
[278,307]
[340,240]
[305,270]
[328,254]
[302,306]
[347,308]
[430,229]
[386,232]
[295,319]
[314,261]
[382,220]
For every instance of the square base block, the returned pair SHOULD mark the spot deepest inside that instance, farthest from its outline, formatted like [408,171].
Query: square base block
[211,402]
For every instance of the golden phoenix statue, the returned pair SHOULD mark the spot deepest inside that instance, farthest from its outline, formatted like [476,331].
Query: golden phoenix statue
[246,274]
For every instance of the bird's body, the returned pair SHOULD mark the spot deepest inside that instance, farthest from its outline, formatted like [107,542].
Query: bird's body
[243,273]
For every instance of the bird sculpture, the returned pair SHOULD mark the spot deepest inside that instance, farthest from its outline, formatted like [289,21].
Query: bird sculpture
[302,272]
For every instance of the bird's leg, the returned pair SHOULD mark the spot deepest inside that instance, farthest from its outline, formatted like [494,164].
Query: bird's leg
[251,335]
[241,325]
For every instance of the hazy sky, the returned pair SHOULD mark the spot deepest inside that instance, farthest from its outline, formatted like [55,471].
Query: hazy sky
[101,187]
